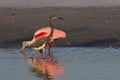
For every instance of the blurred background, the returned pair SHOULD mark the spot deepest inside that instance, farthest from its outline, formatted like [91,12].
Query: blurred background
[86,22]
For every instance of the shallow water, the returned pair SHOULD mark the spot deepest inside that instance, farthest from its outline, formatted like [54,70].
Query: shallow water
[68,63]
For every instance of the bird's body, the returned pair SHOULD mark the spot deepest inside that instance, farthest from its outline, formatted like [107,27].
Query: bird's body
[44,32]
[41,39]
[40,47]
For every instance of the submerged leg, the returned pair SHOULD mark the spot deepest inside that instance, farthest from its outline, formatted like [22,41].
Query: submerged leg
[48,49]
[49,46]
[42,51]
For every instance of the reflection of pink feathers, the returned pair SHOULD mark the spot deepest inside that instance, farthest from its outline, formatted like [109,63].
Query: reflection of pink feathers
[54,69]
[49,67]
[44,32]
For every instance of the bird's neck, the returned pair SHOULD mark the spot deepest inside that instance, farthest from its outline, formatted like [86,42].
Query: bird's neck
[51,26]
[30,42]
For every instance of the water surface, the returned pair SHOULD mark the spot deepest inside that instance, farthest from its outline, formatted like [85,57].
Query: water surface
[71,63]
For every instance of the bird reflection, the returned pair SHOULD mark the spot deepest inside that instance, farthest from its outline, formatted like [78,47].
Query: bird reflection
[47,67]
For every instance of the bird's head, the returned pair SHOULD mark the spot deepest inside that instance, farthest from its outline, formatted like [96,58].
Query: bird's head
[24,45]
[52,17]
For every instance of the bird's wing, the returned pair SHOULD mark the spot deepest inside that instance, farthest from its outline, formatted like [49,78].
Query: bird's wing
[40,42]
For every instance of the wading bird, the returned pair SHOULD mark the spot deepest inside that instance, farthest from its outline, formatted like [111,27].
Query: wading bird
[39,40]
[44,32]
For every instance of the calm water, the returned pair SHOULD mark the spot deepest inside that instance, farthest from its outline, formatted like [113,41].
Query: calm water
[69,63]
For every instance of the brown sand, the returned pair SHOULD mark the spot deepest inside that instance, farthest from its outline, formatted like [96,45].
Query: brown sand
[84,26]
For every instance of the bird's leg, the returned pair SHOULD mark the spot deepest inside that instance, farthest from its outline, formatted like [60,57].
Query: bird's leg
[52,44]
[48,50]
[42,51]
[48,47]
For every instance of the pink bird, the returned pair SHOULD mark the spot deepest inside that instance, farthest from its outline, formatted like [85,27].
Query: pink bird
[44,32]
[44,37]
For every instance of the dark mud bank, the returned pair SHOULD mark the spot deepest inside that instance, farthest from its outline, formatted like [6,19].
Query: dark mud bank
[90,27]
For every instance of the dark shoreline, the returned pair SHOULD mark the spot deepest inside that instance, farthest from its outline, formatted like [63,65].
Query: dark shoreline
[97,43]
[85,27]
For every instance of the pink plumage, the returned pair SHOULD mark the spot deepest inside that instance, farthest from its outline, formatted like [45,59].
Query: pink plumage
[44,32]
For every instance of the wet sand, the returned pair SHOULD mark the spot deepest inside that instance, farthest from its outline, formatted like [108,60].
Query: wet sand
[84,26]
